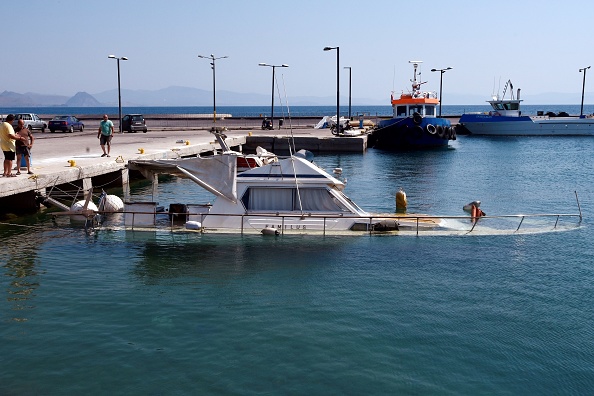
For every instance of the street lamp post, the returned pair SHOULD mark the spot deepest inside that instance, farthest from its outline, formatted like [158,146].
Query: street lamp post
[441,71]
[337,84]
[350,71]
[272,106]
[118,59]
[583,88]
[214,94]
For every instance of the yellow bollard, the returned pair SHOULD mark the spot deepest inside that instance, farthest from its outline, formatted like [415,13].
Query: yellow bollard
[72,162]
[250,133]
[141,150]
[187,142]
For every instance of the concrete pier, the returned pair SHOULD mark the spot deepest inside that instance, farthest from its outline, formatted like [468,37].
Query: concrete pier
[74,159]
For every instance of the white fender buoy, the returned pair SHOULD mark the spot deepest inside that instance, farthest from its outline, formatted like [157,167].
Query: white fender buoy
[78,207]
[270,231]
[113,203]
[401,201]
[193,225]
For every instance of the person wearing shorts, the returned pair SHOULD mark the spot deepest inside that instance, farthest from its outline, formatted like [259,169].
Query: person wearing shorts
[104,134]
[23,147]
[7,138]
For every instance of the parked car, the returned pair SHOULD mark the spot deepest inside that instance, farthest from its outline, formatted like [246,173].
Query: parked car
[32,121]
[65,123]
[133,123]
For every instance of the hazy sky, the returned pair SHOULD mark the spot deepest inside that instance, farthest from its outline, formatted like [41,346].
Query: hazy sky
[61,46]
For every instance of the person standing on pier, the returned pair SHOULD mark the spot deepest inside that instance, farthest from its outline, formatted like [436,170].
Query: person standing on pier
[105,134]
[23,147]
[7,138]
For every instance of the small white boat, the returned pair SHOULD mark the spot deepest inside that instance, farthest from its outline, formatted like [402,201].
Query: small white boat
[506,119]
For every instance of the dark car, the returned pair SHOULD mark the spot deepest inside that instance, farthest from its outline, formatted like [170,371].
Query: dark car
[133,123]
[65,123]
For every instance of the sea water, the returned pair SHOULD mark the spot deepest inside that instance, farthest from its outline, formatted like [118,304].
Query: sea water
[159,313]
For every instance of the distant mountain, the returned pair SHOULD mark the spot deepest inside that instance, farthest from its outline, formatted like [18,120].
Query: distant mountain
[82,99]
[185,96]
[13,99]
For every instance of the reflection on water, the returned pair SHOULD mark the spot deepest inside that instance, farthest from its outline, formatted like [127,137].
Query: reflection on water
[20,267]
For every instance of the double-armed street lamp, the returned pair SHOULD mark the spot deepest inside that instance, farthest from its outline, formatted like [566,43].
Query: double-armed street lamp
[118,59]
[337,84]
[441,71]
[214,95]
[272,106]
[583,88]
[350,71]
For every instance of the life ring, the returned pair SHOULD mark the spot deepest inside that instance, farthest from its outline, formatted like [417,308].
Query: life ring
[431,129]
[446,132]
[440,131]
[417,118]
[418,131]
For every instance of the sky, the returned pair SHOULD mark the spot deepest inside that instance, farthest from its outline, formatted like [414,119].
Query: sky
[61,46]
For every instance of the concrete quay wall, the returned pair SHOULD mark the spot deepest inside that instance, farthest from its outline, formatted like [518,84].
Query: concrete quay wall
[74,159]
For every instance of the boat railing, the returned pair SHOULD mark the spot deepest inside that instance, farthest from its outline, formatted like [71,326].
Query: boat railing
[419,221]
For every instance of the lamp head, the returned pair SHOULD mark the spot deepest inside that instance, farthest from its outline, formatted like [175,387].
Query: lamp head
[284,65]
[328,48]
[111,56]
[124,58]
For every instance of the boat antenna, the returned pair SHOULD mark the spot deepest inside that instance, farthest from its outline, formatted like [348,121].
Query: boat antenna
[393,77]
[292,137]
[292,148]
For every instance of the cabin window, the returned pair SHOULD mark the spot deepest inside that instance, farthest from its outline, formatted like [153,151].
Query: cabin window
[430,111]
[287,200]
[511,106]
[400,111]
[497,106]
[415,109]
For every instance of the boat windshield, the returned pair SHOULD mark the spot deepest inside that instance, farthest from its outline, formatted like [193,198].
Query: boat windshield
[317,199]
[506,105]
[429,111]
[415,109]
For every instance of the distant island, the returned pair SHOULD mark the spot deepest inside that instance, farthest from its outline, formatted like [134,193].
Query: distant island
[171,96]
[186,96]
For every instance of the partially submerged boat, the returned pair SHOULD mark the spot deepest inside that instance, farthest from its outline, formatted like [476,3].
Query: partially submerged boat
[506,119]
[414,123]
[292,194]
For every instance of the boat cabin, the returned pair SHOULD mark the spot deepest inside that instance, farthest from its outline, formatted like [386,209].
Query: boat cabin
[421,102]
[505,107]
[425,104]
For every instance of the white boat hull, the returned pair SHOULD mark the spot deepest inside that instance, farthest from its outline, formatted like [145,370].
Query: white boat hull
[530,126]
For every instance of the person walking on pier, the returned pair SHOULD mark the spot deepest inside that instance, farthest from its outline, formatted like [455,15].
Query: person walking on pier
[105,134]
[23,147]
[7,138]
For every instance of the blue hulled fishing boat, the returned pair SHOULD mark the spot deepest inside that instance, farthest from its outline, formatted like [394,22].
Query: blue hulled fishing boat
[414,124]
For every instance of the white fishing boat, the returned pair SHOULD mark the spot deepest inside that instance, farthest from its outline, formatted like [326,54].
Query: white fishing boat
[506,119]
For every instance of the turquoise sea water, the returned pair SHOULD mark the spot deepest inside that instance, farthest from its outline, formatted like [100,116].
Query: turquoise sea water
[135,313]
